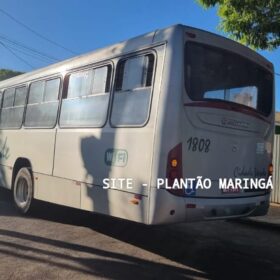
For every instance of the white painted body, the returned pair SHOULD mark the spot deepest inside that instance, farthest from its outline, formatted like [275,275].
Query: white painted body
[68,163]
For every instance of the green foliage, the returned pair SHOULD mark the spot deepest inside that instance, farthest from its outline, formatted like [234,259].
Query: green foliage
[6,74]
[255,23]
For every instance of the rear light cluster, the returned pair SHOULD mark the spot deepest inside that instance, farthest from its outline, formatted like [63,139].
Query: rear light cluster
[174,169]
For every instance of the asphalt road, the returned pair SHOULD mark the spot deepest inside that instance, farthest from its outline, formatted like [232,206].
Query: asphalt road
[63,243]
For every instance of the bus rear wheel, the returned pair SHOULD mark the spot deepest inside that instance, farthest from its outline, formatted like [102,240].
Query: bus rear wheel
[23,190]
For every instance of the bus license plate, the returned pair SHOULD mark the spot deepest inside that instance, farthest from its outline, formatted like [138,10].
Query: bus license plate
[231,190]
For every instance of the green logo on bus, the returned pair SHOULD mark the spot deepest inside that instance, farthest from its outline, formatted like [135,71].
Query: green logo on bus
[116,157]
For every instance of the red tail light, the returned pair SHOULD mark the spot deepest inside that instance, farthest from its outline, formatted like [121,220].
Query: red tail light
[174,169]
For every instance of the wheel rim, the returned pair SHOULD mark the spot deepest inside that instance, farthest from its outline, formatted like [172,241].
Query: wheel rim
[22,190]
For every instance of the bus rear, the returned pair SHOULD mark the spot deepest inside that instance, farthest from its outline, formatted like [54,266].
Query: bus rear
[218,164]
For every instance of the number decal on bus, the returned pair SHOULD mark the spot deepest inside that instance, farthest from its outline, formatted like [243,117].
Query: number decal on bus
[199,144]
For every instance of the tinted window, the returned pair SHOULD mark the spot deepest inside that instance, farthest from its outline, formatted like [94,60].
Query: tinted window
[132,95]
[212,73]
[135,73]
[87,98]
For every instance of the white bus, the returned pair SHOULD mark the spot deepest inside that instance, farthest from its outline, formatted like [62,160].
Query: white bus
[174,103]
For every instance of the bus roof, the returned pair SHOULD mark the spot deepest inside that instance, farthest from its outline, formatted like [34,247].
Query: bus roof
[136,43]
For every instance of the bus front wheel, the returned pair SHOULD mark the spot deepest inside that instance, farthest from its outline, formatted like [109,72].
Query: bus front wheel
[23,190]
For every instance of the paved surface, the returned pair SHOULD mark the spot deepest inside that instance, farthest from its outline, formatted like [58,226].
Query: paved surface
[270,220]
[63,243]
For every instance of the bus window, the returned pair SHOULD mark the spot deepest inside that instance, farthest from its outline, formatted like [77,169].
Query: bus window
[80,84]
[100,81]
[244,95]
[133,89]
[36,92]
[9,96]
[42,104]
[20,96]
[87,99]
[212,73]
[13,107]
[52,90]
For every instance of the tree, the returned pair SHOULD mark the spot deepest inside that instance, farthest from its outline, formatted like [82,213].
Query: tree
[255,23]
[6,74]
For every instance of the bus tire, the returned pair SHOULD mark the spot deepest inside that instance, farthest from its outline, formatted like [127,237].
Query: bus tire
[23,190]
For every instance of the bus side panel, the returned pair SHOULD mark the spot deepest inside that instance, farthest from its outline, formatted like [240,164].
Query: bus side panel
[57,190]
[114,203]
[36,145]
[166,208]
[79,195]
[82,157]
[91,155]
[6,174]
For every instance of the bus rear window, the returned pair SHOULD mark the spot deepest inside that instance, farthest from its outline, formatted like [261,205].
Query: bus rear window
[215,74]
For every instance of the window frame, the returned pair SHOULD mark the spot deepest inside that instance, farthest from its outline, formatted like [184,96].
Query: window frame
[45,79]
[106,63]
[151,51]
[15,87]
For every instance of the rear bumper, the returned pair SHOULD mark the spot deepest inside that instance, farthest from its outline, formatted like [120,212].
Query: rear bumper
[229,208]
[167,208]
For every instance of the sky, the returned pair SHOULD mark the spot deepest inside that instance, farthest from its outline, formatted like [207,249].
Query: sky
[85,25]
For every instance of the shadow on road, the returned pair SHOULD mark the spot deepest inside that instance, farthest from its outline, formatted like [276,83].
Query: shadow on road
[208,250]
